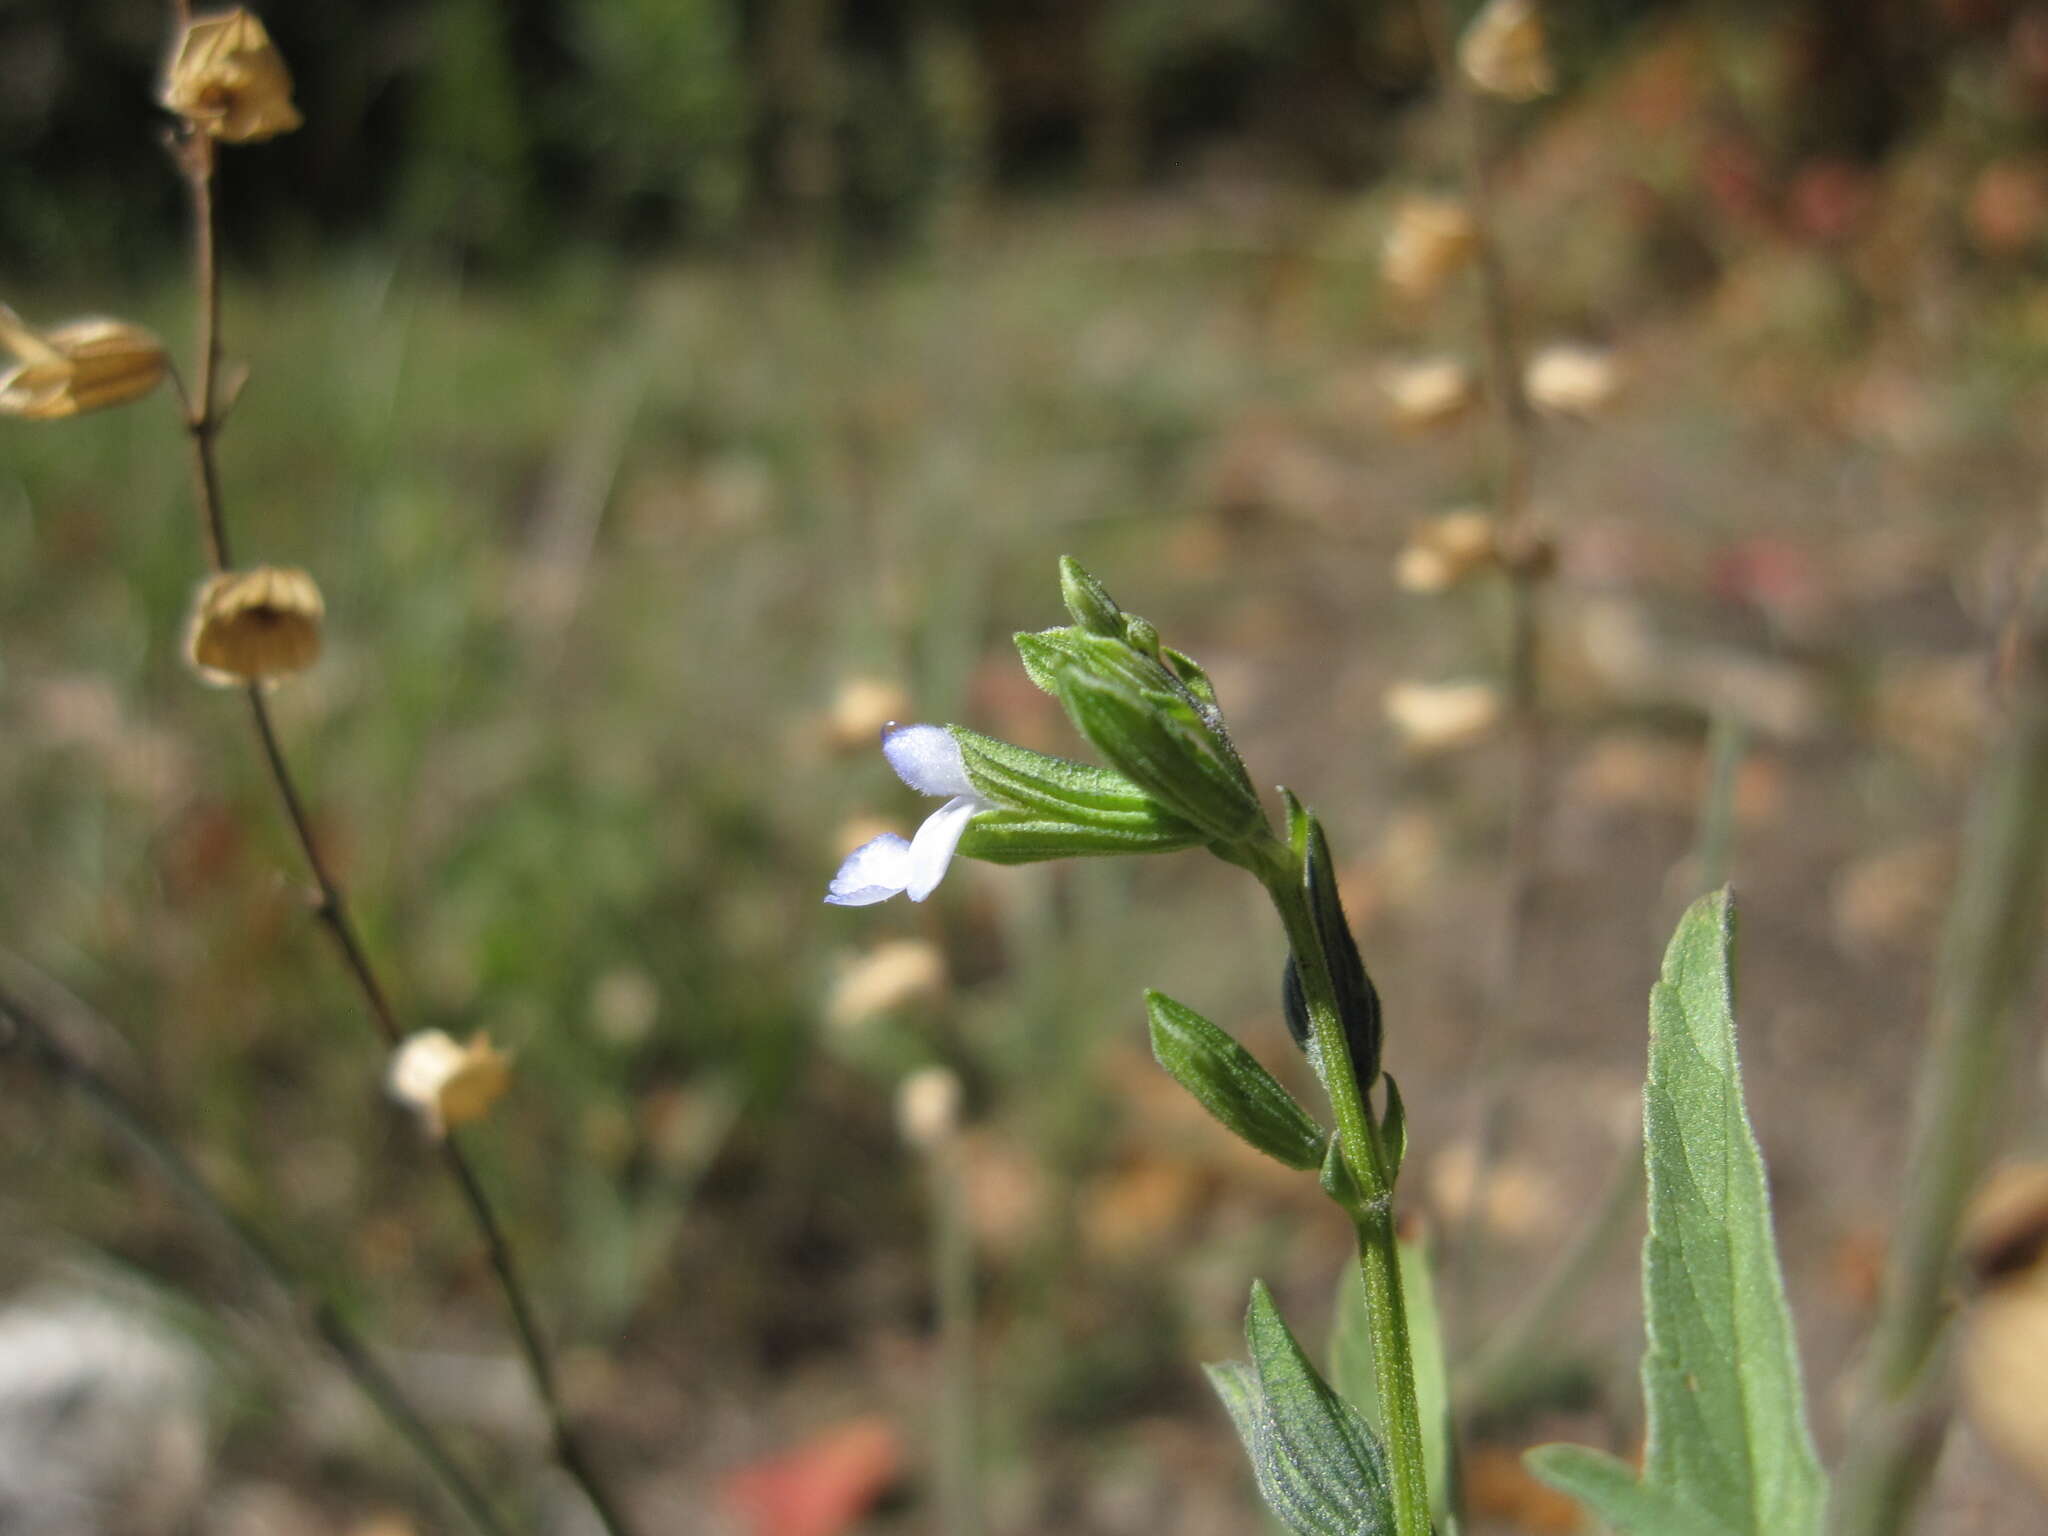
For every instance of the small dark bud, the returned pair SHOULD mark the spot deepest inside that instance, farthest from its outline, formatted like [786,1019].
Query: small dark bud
[1358,1001]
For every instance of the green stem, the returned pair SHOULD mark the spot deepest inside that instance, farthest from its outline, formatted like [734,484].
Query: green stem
[1365,1159]
[1989,951]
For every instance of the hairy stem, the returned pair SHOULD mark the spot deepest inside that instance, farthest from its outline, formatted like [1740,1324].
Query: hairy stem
[1365,1159]
[1990,948]
[196,157]
[24,1028]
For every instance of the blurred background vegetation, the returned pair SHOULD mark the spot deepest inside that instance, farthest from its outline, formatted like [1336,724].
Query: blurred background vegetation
[499,132]
[635,375]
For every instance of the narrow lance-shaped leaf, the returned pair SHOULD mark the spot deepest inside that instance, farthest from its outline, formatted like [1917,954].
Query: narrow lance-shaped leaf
[1728,1441]
[1321,1469]
[1231,1084]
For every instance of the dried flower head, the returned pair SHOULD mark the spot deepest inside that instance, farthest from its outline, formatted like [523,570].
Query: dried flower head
[928,1107]
[1567,379]
[448,1084]
[227,78]
[83,365]
[1436,717]
[1429,394]
[890,976]
[1446,551]
[2004,1354]
[254,626]
[1429,241]
[861,709]
[1503,51]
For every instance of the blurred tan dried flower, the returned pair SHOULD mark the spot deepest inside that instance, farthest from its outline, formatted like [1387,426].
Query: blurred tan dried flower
[2005,1338]
[82,365]
[448,1084]
[886,978]
[860,709]
[1521,1201]
[1429,394]
[1429,241]
[928,1107]
[255,625]
[1504,53]
[1447,550]
[227,78]
[1568,379]
[625,1004]
[1437,717]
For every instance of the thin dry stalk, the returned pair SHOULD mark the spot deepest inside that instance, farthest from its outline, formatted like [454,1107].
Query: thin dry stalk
[1514,430]
[24,1029]
[1990,951]
[195,155]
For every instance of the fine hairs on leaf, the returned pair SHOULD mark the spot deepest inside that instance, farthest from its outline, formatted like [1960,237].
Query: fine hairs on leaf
[1231,1084]
[1320,1467]
[1729,1450]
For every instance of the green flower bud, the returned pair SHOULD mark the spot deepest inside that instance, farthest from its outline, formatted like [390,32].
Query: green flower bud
[1358,1001]
[1094,610]
[1160,741]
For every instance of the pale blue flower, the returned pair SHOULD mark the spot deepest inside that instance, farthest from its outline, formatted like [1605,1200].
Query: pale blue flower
[927,758]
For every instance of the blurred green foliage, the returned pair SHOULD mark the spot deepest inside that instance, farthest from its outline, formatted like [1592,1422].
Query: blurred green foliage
[490,129]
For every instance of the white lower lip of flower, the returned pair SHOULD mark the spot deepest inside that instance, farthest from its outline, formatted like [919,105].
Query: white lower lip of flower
[927,758]
[888,866]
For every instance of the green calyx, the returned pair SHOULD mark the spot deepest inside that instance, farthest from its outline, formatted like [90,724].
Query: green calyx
[1148,709]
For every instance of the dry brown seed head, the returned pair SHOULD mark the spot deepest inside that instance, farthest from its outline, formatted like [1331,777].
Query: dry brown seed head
[1567,379]
[254,626]
[1447,550]
[448,1084]
[82,365]
[1438,717]
[928,1107]
[1504,53]
[1430,239]
[226,78]
[1429,394]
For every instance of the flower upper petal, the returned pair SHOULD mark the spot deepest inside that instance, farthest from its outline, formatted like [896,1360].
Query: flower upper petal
[932,849]
[927,758]
[875,871]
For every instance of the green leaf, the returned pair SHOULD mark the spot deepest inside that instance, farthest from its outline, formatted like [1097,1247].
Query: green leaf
[1013,837]
[1607,1486]
[1358,1001]
[1192,677]
[1394,1129]
[1039,784]
[1157,738]
[1088,600]
[1351,1371]
[1297,822]
[1728,1440]
[1044,652]
[1335,1178]
[1320,1467]
[1231,1084]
